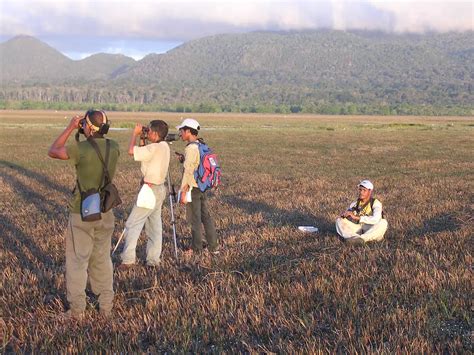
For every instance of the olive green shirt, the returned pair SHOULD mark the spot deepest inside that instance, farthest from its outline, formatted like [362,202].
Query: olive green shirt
[89,168]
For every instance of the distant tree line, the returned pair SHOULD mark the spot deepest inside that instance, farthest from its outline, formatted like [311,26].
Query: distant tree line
[321,72]
[315,108]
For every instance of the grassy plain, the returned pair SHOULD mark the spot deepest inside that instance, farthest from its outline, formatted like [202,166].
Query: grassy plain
[272,289]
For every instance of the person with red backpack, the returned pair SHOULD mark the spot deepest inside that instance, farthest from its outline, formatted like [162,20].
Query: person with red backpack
[364,220]
[201,172]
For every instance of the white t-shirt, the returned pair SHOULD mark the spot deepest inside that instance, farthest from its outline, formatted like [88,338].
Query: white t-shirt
[155,159]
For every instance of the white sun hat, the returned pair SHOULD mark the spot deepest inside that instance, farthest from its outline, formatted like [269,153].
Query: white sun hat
[367,184]
[189,122]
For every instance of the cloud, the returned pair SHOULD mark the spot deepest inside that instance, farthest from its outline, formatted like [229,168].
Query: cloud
[184,20]
[137,27]
[422,16]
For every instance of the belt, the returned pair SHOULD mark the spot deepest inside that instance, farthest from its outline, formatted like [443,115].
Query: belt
[152,184]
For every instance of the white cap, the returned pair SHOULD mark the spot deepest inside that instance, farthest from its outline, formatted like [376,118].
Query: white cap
[367,184]
[189,122]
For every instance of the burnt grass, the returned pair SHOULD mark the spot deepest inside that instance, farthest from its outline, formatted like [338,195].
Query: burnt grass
[272,288]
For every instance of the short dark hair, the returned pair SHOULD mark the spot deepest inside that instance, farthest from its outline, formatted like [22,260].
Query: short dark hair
[96,117]
[159,126]
[193,131]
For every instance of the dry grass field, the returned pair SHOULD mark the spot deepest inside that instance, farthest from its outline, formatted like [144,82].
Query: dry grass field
[273,288]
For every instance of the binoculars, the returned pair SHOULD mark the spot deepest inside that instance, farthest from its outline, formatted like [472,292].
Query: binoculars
[170,137]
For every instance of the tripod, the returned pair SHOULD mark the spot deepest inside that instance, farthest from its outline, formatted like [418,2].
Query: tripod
[172,195]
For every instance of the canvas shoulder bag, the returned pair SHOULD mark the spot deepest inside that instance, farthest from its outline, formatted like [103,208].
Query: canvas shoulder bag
[109,195]
[90,204]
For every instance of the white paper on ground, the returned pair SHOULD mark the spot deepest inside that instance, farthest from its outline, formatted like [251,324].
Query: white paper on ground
[146,198]
[308,229]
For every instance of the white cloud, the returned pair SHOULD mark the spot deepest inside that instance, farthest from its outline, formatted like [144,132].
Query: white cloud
[138,27]
[183,20]
[421,16]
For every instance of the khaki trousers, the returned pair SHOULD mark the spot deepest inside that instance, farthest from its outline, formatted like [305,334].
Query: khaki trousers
[151,219]
[88,254]
[368,232]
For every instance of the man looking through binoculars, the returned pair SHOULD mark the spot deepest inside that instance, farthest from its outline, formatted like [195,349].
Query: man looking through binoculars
[154,158]
[88,243]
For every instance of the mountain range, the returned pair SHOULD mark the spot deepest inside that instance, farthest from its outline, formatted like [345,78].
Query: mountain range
[26,60]
[261,69]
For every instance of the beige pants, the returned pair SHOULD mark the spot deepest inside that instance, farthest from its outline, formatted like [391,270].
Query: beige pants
[368,232]
[88,254]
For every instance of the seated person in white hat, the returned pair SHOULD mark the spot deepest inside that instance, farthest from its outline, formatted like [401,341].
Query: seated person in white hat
[363,221]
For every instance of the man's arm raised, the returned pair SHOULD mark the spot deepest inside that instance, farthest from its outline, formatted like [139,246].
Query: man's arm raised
[58,148]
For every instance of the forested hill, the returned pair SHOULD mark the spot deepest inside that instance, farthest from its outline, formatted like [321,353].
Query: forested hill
[25,61]
[269,71]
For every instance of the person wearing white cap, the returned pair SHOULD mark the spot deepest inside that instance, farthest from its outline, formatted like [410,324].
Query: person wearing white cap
[363,221]
[197,211]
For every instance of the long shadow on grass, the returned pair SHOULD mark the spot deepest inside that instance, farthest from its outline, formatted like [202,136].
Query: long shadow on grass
[24,246]
[42,179]
[288,251]
[47,207]
[445,222]
[25,249]
[278,217]
[285,254]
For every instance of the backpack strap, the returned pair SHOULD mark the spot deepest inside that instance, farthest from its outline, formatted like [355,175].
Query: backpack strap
[355,208]
[372,200]
[199,141]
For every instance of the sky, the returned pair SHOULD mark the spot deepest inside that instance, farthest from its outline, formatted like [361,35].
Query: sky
[79,28]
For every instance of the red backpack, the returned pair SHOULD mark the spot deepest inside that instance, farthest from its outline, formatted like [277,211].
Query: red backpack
[208,173]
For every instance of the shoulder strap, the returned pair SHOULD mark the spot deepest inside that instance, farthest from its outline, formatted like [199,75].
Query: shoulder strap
[107,155]
[356,206]
[79,186]
[93,143]
[372,200]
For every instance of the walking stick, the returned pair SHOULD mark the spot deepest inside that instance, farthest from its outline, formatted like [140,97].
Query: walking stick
[119,240]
